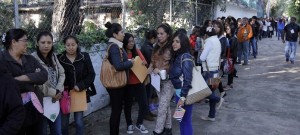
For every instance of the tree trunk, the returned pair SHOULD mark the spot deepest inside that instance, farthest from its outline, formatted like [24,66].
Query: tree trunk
[66,19]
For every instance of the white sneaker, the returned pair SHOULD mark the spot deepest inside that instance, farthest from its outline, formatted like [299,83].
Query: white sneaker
[130,129]
[142,129]
[208,119]
[219,104]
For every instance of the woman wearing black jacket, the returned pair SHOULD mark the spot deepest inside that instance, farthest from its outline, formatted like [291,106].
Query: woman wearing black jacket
[80,75]
[28,73]
[12,112]
[117,56]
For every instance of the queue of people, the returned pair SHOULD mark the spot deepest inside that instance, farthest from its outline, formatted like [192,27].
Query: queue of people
[217,47]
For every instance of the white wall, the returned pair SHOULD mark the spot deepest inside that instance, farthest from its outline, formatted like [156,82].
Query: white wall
[235,11]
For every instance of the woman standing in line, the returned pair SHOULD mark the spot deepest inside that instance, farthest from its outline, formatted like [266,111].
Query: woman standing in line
[147,49]
[182,66]
[161,61]
[80,75]
[210,58]
[27,72]
[134,88]
[56,77]
[117,56]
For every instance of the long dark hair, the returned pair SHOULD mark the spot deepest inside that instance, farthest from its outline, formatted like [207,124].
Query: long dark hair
[112,28]
[184,43]
[167,28]
[76,40]
[48,60]
[125,44]
[220,25]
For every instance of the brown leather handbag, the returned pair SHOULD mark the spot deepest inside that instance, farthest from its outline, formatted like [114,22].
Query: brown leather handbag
[109,76]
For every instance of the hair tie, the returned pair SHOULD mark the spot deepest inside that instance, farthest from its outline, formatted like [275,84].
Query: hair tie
[3,37]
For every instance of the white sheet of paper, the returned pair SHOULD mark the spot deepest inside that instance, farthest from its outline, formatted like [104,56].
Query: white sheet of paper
[51,110]
[155,81]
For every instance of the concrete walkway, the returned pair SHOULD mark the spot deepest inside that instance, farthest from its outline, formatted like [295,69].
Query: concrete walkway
[265,101]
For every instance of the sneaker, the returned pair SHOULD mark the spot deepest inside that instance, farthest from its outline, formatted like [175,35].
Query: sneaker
[130,129]
[152,107]
[287,59]
[208,119]
[142,129]
[223,94]
[228,87]
[219,104]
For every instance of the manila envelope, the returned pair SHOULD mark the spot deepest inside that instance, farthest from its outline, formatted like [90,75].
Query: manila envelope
[78,101]
[139,69]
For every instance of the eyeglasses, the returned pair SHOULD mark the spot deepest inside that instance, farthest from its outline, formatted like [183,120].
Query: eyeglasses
[24,40]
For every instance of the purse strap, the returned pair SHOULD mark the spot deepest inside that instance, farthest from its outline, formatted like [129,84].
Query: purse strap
[182,60]
[107,54]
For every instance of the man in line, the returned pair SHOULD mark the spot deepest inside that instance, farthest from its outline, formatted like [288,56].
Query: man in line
[290,34]
[243,36]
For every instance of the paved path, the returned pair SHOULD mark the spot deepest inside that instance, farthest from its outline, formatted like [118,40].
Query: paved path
[265,101]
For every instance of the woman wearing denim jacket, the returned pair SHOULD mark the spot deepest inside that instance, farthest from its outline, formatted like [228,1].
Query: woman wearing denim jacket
[53,88]
[210,58]
[182,66]
[80,75]
[118,58]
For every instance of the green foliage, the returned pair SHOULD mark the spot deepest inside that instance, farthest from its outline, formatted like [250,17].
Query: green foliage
[91,35]
[294,9]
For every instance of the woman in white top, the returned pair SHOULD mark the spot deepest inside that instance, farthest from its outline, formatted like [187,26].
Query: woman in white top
[210,58]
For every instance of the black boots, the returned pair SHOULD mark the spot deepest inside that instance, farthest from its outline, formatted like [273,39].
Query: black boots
[168,131]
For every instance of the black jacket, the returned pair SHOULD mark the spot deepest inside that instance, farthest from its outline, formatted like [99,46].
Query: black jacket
[30,67]
[291,32]
[233,46]
[185,69]
[224,45]
[80,72]
[12,112]
[146,50]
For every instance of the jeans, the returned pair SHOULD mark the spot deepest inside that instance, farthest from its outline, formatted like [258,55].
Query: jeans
[186,127]
[213,99]
[78,117]
[243,49]
[253,44]
[290,50]
[55,127]
[279,33]
[139,92]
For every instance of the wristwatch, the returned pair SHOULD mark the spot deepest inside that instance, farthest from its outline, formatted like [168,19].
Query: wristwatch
[182,99]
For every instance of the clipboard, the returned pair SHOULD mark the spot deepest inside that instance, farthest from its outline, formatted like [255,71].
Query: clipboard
[139,69]
[78,101]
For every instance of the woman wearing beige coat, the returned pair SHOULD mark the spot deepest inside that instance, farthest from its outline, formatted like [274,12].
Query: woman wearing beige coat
[53,87]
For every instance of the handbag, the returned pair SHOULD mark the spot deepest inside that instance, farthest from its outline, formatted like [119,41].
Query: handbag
[65,102]
[215,81]
[199,89]
[228,66]
[109,76]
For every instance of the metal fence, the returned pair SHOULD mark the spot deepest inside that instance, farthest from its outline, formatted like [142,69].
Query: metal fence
[86,18]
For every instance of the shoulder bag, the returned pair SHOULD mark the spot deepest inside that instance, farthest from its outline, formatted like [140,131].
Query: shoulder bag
[199,89]
[109,76]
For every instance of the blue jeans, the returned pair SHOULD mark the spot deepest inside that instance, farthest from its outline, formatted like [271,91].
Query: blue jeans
[55,127]
[213,99]
[243,49]
[186,127]
[290,50]
[279,31]
[254,46]
[78,117]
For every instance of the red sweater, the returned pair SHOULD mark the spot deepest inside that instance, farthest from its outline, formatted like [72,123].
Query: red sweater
[132,77]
